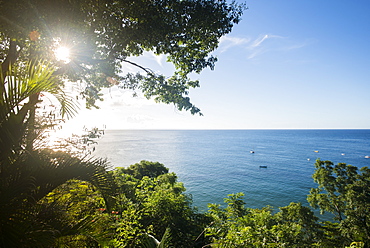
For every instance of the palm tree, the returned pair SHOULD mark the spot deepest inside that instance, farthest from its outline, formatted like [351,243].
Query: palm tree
[18,85]
[26,174]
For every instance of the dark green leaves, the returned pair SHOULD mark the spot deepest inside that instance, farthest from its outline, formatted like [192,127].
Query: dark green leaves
[238,226]
[344,191]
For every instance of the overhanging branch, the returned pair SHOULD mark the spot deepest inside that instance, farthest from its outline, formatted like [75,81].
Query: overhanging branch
[147,70]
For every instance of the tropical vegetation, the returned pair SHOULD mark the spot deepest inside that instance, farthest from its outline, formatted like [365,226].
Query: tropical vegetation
[59,198]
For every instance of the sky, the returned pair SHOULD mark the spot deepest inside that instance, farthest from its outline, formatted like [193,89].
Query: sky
[287,65]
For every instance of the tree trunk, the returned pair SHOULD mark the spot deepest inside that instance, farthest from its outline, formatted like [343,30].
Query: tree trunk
[11,57]
[31,128]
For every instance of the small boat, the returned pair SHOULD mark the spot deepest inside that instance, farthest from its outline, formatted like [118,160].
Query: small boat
[367,156]
[316,151]
[263,166]
[251,151]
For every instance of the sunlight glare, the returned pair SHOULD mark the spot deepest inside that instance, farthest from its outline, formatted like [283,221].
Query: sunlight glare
[62,54]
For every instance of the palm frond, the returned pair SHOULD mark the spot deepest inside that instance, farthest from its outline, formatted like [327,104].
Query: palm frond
[28,179]
[28,176]
[18,87]
[151,242]
[19,91]
[166,238]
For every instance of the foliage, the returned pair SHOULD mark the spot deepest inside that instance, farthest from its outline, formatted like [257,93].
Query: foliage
[19,96]
[157,203]
[145,208]
[356,245]
[102,35]
[144,168]
[344,191]
[55,199]
[26,220]
[152,242]
[82,206]
[237,226]
[332,180]
[41,207]
[28,175]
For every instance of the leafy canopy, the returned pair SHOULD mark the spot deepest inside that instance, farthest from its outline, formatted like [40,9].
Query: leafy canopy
[144,168]
[151,200]
[237,226]
[344,190]
[103,34]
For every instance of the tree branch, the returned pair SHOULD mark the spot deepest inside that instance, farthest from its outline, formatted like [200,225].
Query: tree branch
[147,70]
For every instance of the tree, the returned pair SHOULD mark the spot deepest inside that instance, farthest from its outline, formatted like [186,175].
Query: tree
[144,168]
[332,181]
[344,191]
[152,205]
[298,225]
[28,175]
[357,223]
[103,34]
[237,226]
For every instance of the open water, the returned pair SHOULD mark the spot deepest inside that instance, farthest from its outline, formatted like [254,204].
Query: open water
[215,163]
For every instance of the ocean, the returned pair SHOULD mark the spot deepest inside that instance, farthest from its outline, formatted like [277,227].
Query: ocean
[215,163]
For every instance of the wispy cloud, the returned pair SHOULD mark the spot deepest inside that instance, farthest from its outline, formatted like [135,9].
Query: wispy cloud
[257,42]
[256,46]
[227,42]
[294,46]
[159,59]
[259,46]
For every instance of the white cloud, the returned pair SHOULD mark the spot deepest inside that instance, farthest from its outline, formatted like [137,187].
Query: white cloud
[256,46]
[254,54]
[159,59]
[257,42]
[227,42]
[151,56]
[302,44]
[276,43]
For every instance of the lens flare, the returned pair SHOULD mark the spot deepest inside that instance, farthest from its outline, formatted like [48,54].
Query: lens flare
[63,54]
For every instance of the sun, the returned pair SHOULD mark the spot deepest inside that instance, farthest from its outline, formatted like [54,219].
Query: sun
[62,53]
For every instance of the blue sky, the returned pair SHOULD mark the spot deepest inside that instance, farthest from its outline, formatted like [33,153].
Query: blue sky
[288,64]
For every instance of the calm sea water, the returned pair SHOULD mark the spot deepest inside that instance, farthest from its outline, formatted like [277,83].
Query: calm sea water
[215,163]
